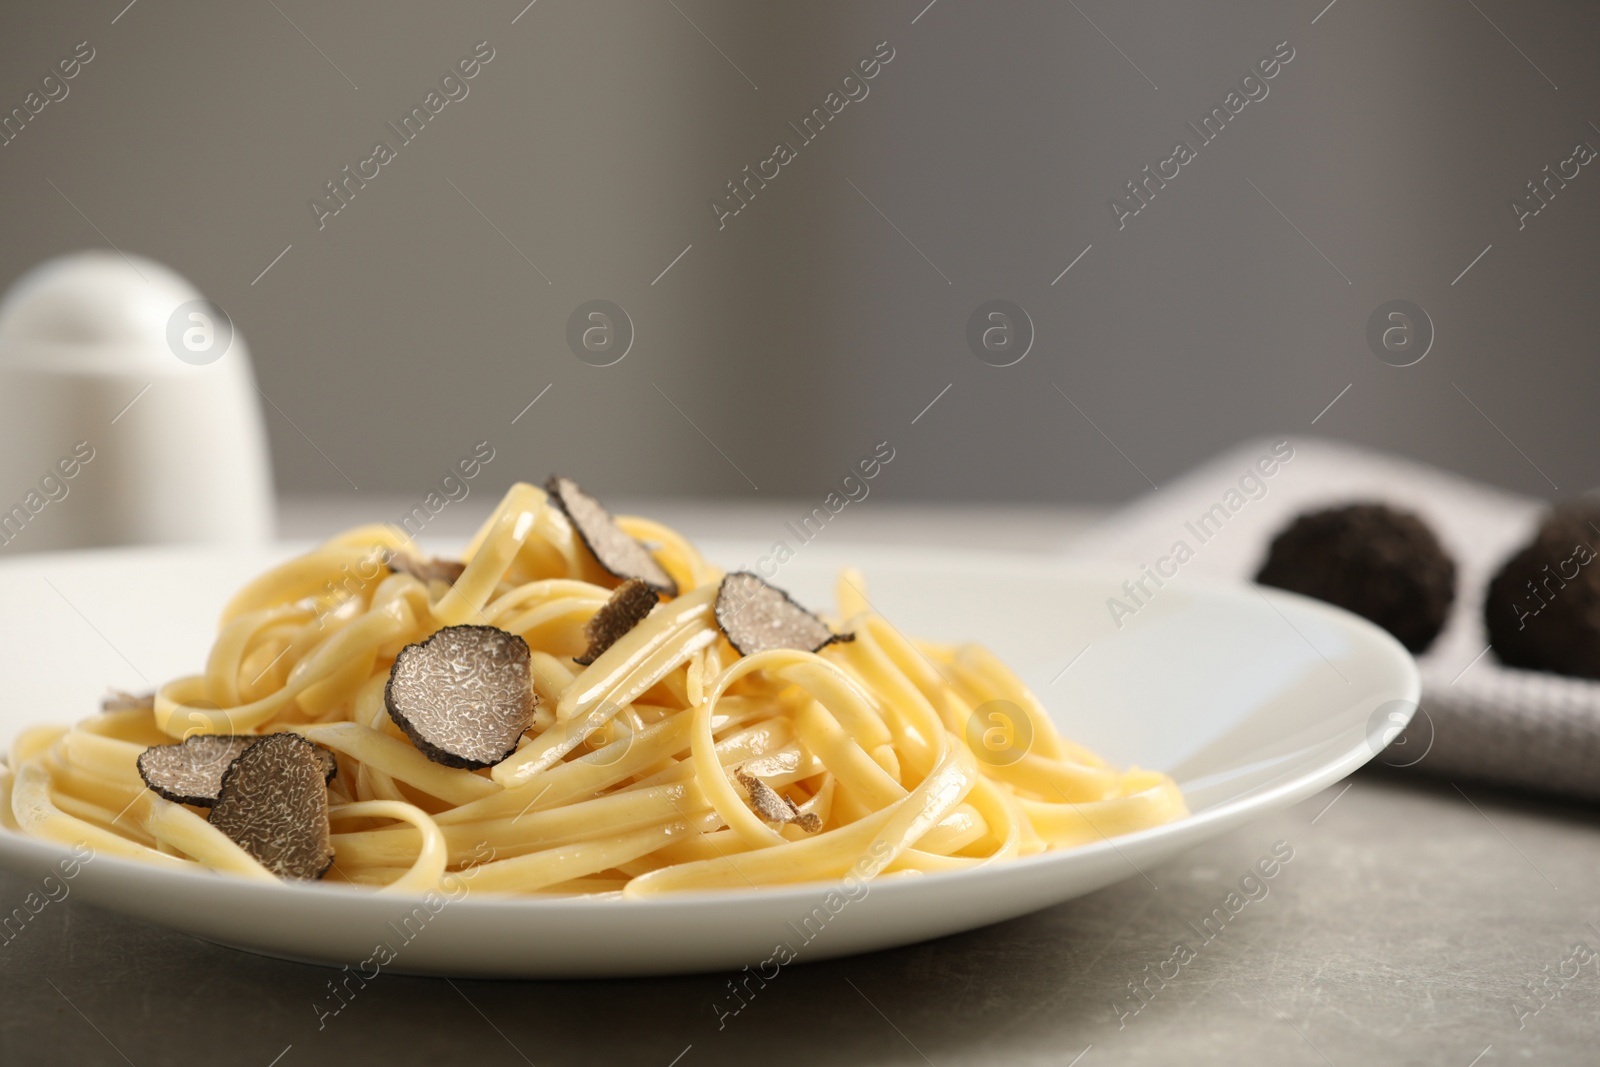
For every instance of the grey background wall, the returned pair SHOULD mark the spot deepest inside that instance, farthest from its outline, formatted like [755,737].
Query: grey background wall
[828,314]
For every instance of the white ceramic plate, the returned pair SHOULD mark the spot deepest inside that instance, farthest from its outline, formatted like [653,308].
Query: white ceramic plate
[1252,700]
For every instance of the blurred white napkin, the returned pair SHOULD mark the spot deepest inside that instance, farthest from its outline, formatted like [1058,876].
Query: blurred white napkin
[1488,722]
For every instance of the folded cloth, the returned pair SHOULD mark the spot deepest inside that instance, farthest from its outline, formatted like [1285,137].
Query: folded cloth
[1487,722]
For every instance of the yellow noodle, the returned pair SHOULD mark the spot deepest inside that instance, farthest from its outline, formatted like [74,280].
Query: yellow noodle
[632,779]
[431,851]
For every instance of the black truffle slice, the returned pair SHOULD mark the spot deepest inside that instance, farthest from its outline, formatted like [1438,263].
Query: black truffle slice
[191,772]
[433,569]
[1379,562]
[626,609]
[274,804]
[758,617]
[464,696]
[767,803]
[621,555]
[1542,611]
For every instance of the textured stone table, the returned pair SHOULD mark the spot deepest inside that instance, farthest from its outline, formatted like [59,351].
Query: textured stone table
[1406,929]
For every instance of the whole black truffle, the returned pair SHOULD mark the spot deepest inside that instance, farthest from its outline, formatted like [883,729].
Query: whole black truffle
[1381,563]
[1542,611]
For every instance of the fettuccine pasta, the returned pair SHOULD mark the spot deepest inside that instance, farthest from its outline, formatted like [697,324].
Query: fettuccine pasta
[671,762]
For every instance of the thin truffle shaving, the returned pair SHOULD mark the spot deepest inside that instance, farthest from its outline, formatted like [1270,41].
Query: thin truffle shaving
[191,772]
[464,696]
[119,700]
[273,803]
[621,555]
[773,807]
[627,608]
[758,617]
[430,569]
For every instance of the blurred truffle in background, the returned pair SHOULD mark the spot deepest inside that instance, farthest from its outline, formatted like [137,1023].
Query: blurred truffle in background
[1542,611]
[1384,564]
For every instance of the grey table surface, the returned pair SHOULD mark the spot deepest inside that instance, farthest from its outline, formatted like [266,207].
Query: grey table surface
[1419,921]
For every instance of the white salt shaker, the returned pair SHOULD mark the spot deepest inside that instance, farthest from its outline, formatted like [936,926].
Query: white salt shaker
[128,412]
